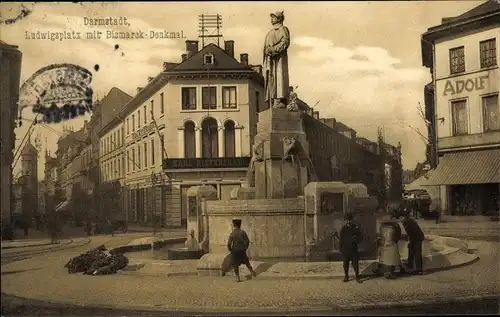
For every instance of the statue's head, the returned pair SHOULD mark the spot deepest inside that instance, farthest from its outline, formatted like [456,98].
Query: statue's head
[277,17]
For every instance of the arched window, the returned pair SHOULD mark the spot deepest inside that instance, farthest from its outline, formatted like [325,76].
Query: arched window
[229,139]
[210,140]
[189,140]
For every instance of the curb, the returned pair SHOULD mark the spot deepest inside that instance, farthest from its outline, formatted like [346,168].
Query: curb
[369,275]
[418,302]
[140,247]
[298,309]
[25,246]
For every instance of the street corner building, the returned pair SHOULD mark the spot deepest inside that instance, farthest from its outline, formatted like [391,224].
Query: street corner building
[192,124]
[10,59]
[463,108]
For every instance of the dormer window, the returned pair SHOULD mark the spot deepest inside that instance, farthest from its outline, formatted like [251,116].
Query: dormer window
[208,59]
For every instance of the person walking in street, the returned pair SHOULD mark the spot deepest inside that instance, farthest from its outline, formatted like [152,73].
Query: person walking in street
[237,245]
[415,239]
[349,239]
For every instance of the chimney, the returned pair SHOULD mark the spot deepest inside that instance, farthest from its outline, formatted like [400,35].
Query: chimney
[316,115]
[191,48]
[229,48]
[184,57]
[139,89]
[244,59]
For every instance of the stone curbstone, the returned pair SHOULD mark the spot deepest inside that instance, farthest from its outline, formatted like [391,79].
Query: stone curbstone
[141,247]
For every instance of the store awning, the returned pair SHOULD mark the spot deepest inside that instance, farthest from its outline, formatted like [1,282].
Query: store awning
[63,206]
[461,168]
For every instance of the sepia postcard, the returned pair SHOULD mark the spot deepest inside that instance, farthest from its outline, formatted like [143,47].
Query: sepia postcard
[250,158]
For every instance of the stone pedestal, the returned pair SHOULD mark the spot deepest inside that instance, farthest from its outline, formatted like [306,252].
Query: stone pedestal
[196,217]
[326,203]
[279,174]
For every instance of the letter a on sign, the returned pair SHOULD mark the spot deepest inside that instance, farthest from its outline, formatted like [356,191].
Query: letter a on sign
[448,88]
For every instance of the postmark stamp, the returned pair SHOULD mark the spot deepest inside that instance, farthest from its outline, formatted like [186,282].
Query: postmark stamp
[58,92]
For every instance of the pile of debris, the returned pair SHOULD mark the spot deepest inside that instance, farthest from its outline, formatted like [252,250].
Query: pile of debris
[98,261]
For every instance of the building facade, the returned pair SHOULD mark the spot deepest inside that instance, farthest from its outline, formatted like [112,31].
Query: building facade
[27,183]
[463,54]
[10,59]
[192,124]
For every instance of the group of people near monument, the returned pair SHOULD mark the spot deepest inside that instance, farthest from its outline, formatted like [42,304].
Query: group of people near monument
[350,237]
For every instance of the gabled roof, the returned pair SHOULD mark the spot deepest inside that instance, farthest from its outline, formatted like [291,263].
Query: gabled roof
[222,61]
[110,105]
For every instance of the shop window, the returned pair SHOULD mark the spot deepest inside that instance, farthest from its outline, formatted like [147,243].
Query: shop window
[210,140]
[189,140]
[229,139]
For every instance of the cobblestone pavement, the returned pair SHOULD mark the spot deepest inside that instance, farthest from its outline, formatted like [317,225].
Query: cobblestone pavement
[44,278]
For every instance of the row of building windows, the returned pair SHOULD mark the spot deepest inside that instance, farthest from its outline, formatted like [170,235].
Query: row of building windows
[143,154]
[490,114]
[487,54]
[112,141]
[114,168]
[86,158]
[210,139]
[146,114]
[208,98]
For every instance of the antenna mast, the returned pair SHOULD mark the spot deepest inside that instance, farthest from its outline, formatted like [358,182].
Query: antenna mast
[209,27]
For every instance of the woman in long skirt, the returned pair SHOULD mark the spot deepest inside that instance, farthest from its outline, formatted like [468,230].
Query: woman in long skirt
[389,257]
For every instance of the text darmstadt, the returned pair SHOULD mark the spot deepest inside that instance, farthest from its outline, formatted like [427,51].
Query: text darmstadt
[106,21]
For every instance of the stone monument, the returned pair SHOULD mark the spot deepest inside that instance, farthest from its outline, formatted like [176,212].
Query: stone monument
[275,62]
[285,211]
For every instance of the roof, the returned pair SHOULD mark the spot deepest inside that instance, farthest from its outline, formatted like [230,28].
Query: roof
[342,127]
[223,61]
[4,45]
[110,105]
[482,9]
[482,15]
[456,168]
[365,140]
[29,149]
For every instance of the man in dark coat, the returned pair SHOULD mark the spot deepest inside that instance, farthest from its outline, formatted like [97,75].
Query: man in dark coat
[350,237]
[237,245]
[415,239]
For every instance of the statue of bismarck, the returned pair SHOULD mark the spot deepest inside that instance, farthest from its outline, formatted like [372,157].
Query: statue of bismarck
[275,62]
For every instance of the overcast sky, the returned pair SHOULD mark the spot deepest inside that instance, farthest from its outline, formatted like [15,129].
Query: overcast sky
[360,60]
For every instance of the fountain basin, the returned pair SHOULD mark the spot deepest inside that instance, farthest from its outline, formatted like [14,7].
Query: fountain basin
[184,254]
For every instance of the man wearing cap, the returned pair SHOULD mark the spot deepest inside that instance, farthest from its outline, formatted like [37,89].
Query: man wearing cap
[350,237]
[275,62]
[415,240]
[237,245]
